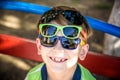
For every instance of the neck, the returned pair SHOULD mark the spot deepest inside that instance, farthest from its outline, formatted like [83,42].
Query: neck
[63,75]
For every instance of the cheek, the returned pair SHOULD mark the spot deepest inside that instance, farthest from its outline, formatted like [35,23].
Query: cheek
[73,54]
[73,59]
[45,51]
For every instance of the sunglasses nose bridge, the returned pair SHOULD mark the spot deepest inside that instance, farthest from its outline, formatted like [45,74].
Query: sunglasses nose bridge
[59,32]
[58,45]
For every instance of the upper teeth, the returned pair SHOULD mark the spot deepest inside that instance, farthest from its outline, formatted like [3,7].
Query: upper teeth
[58,59]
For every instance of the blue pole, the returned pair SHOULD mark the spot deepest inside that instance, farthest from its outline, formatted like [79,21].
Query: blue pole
[39,9]
[23,7]
[103,26]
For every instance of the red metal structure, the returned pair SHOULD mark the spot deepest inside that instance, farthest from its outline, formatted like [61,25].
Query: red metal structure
[97,63]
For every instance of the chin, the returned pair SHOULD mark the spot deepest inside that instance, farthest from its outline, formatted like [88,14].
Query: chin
[58,70]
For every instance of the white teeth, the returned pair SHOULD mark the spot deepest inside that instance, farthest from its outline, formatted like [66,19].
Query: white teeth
[62,59]
[52,58]
[57,59]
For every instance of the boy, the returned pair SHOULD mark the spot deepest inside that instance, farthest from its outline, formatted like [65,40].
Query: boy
[62,39]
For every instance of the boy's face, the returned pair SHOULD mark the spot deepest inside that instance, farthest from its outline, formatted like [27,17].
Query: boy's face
[58,58]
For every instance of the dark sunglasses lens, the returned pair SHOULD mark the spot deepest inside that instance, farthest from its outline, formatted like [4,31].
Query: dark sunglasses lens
[48,41]
[74,17]
[70,31]
[48,30]
[69,43]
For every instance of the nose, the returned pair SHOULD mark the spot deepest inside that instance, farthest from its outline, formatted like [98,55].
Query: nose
[58,47]
[59,50]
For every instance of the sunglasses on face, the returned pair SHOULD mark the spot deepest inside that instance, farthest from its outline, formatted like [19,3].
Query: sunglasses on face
[69,31]
[69,40]
[65,42]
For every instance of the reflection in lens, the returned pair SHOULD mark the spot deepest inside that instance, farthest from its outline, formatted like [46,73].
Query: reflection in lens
[48,41]
[65,42]
[70,31]
[74,17]
[48,30]
[70,43]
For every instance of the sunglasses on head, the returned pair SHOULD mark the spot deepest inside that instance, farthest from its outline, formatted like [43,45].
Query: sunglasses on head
[68,31]
[69,40]
[73,16]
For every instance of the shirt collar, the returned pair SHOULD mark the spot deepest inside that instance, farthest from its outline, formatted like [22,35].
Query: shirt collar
[76,76]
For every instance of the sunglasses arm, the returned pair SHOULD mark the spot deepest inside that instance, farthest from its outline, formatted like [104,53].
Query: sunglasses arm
[83,41]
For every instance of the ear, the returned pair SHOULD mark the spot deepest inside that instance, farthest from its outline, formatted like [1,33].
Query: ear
[83,52]
[38,46]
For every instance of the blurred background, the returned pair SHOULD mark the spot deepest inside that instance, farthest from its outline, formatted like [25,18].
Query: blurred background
[23,25]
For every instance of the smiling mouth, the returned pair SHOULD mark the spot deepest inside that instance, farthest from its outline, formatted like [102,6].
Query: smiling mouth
[58,60]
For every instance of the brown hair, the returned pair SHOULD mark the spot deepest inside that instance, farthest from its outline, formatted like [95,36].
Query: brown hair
[82,21]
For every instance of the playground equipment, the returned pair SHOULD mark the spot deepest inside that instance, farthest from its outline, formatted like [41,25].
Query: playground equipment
[97,63]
